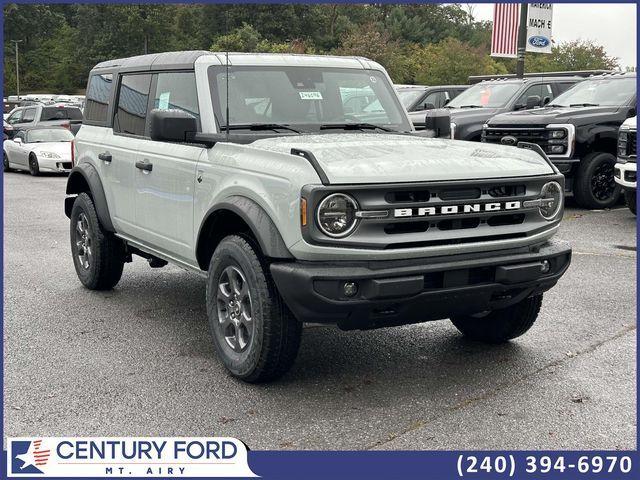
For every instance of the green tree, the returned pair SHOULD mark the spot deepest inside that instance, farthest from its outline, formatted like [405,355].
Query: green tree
[452,61]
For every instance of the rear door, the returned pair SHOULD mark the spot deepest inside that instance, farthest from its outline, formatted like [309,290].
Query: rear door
[165,192]
[123,141]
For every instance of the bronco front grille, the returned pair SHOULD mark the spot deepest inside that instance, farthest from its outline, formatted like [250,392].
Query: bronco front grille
[453,213]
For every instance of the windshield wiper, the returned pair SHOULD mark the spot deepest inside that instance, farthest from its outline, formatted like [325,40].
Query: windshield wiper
[584,105]
[355,126]
[555,105]
[471,106]
[260,126]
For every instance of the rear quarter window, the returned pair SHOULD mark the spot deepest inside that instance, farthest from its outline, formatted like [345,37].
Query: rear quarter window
[60,113]
[97,98]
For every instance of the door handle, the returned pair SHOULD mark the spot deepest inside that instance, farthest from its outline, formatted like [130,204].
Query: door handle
[145,165]
[105,157]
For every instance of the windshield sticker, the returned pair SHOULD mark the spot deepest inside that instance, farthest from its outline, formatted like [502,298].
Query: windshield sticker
[310,95]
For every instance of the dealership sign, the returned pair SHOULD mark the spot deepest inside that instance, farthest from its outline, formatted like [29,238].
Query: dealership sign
[127,457]
[539,22]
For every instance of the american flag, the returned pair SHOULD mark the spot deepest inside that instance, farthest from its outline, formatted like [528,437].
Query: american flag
[504,39]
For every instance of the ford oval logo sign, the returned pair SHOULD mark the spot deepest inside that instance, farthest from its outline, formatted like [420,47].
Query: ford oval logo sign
[508,140]
[539,41]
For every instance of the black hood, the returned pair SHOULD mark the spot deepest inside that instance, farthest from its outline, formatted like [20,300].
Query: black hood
[543,116]
[465,116]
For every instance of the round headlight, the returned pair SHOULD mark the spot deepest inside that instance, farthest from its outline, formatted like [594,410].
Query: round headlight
[337,215]
[551,200]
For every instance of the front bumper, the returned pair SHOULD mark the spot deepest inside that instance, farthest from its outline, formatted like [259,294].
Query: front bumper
[625,175]
[57,165]
[399,292]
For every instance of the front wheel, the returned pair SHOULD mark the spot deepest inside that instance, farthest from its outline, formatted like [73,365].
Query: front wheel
[630,198]
[501,325]
[5,162]
[254,333]
[98,255]
[34,166]
[594,185]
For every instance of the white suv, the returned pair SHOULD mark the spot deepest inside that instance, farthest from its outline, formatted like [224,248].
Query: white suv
[255,171]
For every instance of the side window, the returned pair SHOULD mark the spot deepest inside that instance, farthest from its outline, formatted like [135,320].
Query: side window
[29,115]
[542,90]
[563,87]
[177,90]
[131,113]
[434,98]
[15,117]
[97,98]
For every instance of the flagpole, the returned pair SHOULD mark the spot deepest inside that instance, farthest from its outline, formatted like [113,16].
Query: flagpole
[522,40]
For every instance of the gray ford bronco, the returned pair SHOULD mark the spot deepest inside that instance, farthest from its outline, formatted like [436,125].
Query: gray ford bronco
[249,170]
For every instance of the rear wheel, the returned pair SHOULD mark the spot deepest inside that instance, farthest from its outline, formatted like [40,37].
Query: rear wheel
[501,325]
[594,185]
[254,333]
[98,255]
[34,167]
[5,162]
[630,198]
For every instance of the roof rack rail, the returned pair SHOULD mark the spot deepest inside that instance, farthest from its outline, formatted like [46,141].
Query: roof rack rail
[578,73]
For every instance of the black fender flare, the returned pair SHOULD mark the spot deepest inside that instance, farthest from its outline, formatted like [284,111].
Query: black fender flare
[82,178]
[259,221]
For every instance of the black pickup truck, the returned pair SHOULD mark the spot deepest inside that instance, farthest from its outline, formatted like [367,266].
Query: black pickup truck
[470,110]
[578,131]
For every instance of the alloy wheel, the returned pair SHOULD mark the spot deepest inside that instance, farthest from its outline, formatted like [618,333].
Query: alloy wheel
[84,246]
[602,182]
[235,318]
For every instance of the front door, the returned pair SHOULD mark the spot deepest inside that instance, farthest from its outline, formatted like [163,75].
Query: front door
[165,175]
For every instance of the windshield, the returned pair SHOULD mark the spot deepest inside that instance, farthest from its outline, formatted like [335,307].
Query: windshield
[605,91]
[49,135]
[409,96]
[305,98]
[489,95]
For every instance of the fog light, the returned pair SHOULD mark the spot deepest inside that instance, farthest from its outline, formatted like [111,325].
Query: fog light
[350,289]
[545,266]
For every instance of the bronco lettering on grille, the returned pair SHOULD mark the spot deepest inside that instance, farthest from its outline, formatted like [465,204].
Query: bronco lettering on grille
[456,209]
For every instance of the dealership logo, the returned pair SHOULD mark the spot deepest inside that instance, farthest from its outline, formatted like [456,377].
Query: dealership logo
[539,41]
[68,457]
[29,457]
[456,209]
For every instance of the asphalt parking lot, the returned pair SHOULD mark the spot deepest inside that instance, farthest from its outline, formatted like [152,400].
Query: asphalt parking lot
[137,361]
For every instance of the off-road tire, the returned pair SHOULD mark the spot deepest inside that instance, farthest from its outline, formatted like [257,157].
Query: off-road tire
[630,198]
[107,260]
[501,325]
[34,167]
[276,334]
[5,162]
[584,190]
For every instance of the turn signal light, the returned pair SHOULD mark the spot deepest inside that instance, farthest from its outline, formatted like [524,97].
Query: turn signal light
[303,212]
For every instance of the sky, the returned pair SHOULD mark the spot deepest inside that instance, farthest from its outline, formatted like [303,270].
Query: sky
[612,25]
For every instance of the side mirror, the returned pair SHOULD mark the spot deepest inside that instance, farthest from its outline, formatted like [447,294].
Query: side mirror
[446,102]
[428,106]
[546,100]
[17,140]
[533,101]
[439,122]
[171,125]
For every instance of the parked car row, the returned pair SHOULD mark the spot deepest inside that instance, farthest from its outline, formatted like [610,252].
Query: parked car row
[573,119]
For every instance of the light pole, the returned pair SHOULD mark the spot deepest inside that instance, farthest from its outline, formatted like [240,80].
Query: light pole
[522,40]
[16,42]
